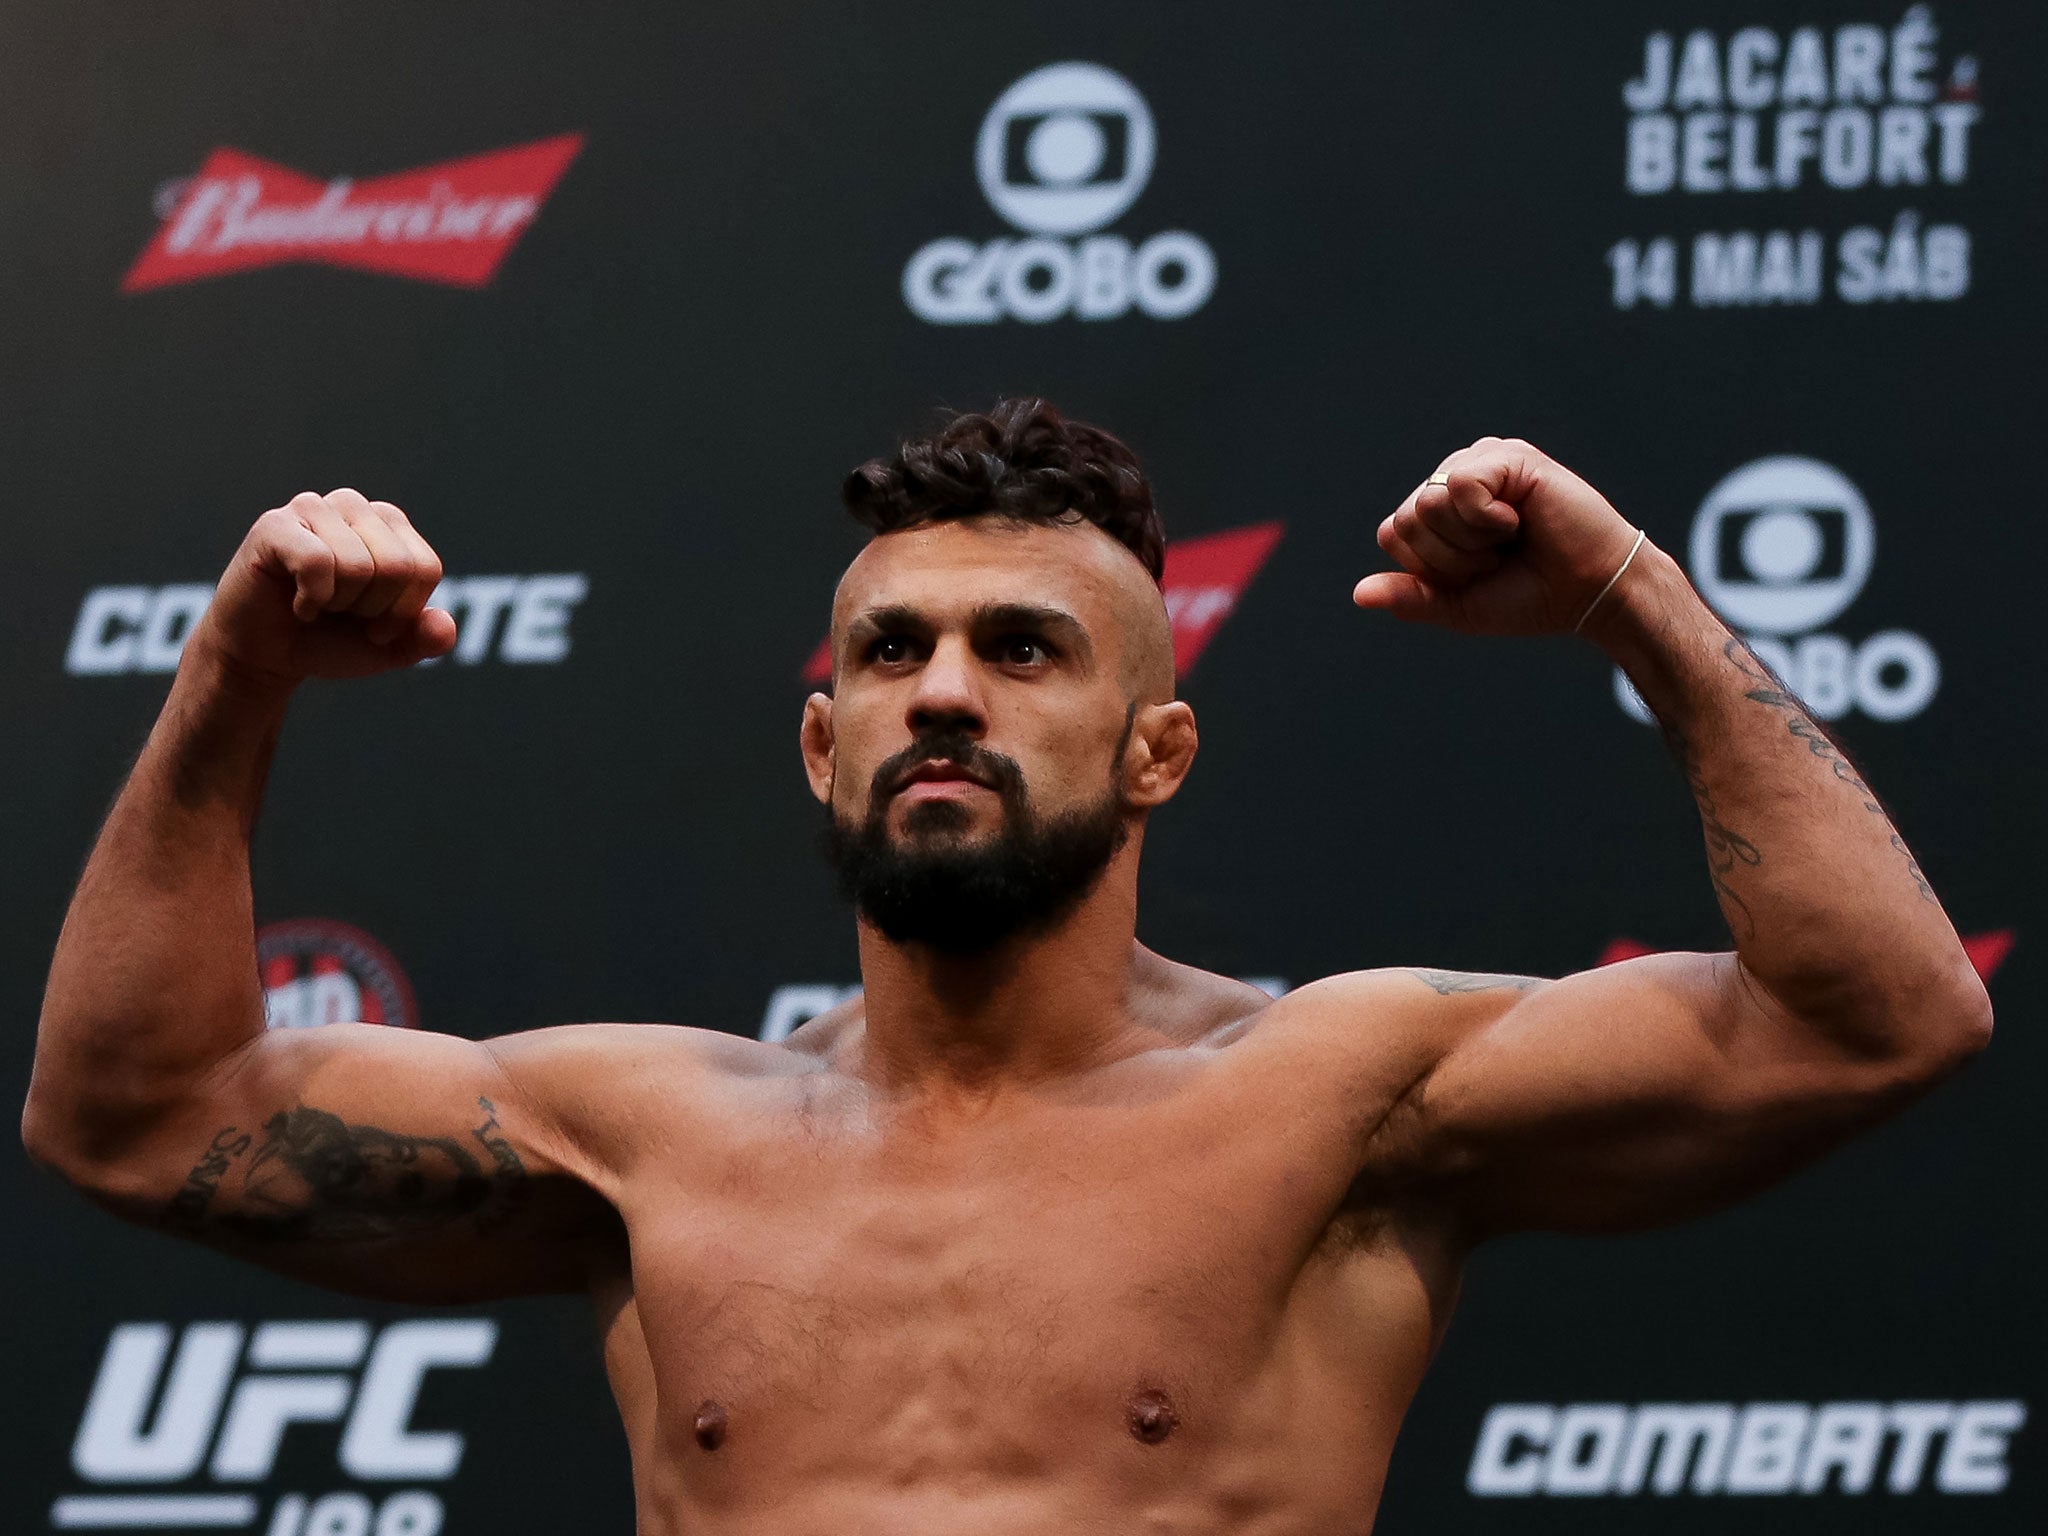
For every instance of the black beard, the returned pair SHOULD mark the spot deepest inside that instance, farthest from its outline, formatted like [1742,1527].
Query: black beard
[965,898]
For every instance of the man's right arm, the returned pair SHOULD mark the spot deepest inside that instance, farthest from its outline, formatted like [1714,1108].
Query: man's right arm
[391,1162]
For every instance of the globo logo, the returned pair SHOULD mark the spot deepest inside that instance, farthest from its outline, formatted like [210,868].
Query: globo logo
[1780,548]
[1063,152]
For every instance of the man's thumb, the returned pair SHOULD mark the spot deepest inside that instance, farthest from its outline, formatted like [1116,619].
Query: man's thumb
[432,634]
[1404,596]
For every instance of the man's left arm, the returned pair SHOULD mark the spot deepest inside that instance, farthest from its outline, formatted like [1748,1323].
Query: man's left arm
[1647,1090]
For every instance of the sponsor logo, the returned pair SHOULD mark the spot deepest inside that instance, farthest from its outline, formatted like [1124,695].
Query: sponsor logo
[134,629]
[522,620]
[1063,152]
[1202,581]
[319,972]
[1782,547]
[155,1414]
[1589,1450]
[1987,951]
[448,223]
[798,1003]
[1810,111]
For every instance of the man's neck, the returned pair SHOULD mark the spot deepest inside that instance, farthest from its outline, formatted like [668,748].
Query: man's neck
[1039,1006]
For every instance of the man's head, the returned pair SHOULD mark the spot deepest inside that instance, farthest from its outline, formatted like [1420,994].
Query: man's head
[1002,715]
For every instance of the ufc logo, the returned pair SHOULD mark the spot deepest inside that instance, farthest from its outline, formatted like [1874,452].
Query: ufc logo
[292,1373]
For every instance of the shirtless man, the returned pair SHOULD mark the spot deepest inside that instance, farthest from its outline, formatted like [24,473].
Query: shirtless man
[1045,1233]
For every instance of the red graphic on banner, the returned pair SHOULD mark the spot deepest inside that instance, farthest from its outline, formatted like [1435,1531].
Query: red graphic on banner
[1203,580]
[448,223]
[1987,951]
[315,971]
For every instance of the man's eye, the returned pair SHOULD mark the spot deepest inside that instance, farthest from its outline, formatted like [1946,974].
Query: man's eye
[889,649]
[1023,651]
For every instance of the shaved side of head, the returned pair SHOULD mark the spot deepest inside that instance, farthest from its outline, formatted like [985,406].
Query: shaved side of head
[1146,638]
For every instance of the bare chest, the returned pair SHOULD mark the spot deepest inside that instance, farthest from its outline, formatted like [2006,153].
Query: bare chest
[1094,1283]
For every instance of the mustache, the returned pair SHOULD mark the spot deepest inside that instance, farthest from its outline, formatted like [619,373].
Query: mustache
[1000,773]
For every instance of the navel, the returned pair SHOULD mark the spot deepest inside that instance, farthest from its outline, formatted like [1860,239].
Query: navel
[1151,1416]
[709,1426]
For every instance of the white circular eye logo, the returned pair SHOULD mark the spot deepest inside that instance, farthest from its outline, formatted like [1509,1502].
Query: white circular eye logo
[1782,545]
[1066,149]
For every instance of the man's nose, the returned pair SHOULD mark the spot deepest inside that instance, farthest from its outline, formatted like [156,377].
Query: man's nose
[948,692]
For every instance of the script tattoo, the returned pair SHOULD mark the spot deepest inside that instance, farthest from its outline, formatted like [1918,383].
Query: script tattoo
[1821,745]
[1449,983]
[1726,847]
[316,1179]
[187,1210]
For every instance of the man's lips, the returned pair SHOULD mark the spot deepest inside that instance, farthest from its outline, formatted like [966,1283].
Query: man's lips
[932,777]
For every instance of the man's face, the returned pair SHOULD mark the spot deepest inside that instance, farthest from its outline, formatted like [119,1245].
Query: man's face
[986,685]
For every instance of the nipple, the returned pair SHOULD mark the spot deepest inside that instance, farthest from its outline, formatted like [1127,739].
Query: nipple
[709,1427]
[1151,1416]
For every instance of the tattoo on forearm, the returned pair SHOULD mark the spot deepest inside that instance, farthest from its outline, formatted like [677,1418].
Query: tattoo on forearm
[315,1179]
[1805,728]
[1449,983]
[1913,870]
[1726,847]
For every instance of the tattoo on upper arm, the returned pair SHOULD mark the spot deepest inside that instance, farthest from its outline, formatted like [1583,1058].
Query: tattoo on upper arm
[187,1210]
[313,1178]
[1819,743]
[1449,983]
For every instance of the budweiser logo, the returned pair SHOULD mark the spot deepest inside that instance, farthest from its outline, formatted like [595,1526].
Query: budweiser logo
[447,223]
[1202,582]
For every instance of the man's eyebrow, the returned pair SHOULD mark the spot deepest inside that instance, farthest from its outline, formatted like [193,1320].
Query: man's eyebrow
[1030,616]
[890,616]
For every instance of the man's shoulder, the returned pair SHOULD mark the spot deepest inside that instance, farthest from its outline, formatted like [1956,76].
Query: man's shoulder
[618,1091]
[1191,1006]
[1395,1018]
[621,1058]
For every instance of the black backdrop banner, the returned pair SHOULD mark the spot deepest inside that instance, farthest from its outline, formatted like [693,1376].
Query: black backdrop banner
[609,299]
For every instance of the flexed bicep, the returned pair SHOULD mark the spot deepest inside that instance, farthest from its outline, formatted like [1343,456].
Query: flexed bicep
[401,1164]
[1630,1096]
[306,1175]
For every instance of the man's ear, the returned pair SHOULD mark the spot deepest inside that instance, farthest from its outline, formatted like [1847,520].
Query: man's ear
[815,737]
[1162,750]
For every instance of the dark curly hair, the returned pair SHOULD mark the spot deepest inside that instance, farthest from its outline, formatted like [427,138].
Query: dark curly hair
[1022,460]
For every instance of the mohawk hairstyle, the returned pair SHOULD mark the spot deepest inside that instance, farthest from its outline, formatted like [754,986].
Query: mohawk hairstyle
[1023,460]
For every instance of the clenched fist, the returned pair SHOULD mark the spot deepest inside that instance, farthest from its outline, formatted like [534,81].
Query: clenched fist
[327,586]
[1513,544]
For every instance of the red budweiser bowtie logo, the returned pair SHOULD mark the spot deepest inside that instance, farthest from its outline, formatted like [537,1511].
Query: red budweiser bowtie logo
[1203,579]
[447,223]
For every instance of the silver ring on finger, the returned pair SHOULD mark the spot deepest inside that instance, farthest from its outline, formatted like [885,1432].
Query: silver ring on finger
[1441,477]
